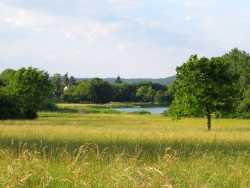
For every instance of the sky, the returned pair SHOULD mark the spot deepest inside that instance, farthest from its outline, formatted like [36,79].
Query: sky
[130,38]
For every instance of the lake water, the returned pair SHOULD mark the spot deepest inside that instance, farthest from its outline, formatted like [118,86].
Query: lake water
[152,110]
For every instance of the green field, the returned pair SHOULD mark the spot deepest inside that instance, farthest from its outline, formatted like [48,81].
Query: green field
[100,148]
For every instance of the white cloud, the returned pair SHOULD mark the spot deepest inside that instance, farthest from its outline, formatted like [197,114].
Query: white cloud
[23,18]
[126,3]
[132,38]
[188,18]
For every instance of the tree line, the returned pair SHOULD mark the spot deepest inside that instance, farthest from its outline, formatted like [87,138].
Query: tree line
[97,90]
[217,86]
[25,91]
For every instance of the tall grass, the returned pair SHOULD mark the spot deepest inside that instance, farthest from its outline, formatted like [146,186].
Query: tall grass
[122,150]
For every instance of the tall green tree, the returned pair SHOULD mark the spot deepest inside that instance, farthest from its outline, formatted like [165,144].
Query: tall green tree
[100,91]
[204,86]
[72,81]
[66,80]
[240,63]
[57,84]
[30,87]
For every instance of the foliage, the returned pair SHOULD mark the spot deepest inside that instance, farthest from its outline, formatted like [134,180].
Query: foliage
[29,89]
[123,92]
[205,86]
[100,91]
[66,80]
[89,91]
[244,106]
[70,90]
[78,93]
[240,63]
[56,81]
[9,107]
[145,93]
[162,97]
[6,75]
[72,81]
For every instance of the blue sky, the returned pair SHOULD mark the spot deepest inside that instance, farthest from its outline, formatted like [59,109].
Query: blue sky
[130,38]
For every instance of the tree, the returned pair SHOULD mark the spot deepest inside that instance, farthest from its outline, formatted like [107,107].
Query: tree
[121,92]
[118,80]
[30,87]
[100,91]
[244,106]
[204,86]
[240,63]
[124,92]
[9,107]
[160,97]
[145,93]
[66,80]
[82,91]
[56,81]
[6,75]
[72,81]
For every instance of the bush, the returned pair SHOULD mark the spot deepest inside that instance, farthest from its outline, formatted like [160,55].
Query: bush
[26,92]
[9,107]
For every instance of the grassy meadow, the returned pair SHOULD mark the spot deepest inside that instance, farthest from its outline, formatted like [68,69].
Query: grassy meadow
[95,146]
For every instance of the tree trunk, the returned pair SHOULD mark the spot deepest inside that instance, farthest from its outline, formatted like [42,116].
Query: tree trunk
[209,125]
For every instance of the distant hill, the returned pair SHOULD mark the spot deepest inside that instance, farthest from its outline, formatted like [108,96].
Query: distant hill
[162,81]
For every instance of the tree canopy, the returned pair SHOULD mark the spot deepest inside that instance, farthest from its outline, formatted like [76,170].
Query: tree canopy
[205,86]
[26,91]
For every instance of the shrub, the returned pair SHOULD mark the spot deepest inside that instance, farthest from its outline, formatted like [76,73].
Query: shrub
[9,107]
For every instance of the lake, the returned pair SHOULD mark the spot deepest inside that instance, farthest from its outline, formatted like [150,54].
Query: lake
[152,110]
